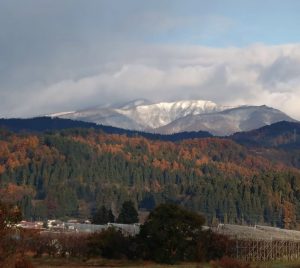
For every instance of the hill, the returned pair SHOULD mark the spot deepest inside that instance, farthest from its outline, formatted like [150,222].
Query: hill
[43,124]
[69,173]
[282,134]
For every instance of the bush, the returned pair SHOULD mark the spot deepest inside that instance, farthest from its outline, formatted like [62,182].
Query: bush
[22,262]
[69,244]
[112,244]
[212,246]
[17,261]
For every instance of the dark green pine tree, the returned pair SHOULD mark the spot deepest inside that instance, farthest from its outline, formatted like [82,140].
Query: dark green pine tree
[128,213]
[103,216]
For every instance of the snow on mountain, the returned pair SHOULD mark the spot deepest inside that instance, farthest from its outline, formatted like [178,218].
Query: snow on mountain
[179,116]
[159,114]
[141,114]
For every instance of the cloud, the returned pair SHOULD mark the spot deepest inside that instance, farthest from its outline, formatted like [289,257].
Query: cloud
[68,55]
[284,70]
[253,75]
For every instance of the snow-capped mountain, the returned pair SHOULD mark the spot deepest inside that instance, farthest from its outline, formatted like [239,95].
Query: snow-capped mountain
[141,114]
[172,117]
[152,116]
[243,118]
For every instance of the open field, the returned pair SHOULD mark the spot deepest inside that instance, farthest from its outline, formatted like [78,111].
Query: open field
[104,263]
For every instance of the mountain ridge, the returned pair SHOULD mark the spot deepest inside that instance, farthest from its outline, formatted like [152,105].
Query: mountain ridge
[280,134]
[44,124]
[179,116]
[227,122]
[141,114]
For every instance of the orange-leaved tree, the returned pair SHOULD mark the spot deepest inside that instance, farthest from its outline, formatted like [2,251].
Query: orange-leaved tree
[10,215]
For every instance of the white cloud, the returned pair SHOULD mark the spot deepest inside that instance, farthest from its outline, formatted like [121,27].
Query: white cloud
[255,75]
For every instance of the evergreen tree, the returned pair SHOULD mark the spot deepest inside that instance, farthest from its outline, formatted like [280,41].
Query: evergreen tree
[128,213]
[103,216]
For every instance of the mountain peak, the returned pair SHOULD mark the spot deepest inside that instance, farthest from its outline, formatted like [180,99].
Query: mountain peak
[155,115]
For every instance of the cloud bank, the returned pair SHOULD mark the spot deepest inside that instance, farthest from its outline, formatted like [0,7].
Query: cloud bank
[255,75]
[68,55]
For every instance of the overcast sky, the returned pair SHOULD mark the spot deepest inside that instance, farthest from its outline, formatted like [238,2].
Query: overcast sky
[62,55]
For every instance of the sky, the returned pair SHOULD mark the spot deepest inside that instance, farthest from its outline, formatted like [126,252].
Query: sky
[65,55]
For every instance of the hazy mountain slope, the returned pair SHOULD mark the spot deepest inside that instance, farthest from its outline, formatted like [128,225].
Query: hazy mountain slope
[103,116]
[238,119]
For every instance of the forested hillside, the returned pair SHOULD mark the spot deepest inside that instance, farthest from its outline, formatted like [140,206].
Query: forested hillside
[73,172]
[285,135]
[42,124]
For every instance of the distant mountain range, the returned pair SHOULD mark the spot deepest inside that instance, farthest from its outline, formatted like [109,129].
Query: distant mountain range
[180,116]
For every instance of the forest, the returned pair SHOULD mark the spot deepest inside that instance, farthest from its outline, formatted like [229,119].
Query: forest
[73,172]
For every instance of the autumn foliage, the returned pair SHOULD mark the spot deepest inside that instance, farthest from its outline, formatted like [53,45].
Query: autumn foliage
[217,177]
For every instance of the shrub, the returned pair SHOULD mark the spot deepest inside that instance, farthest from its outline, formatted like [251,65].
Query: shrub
[111,244]
[68,244]
[212,246]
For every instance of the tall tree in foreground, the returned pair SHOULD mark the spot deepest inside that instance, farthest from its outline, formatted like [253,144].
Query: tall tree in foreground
[171,234]
[128,213]
[11,253]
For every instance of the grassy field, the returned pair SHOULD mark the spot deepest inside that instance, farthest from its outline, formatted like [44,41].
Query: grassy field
[77,263]
[47,262]
[293,264]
